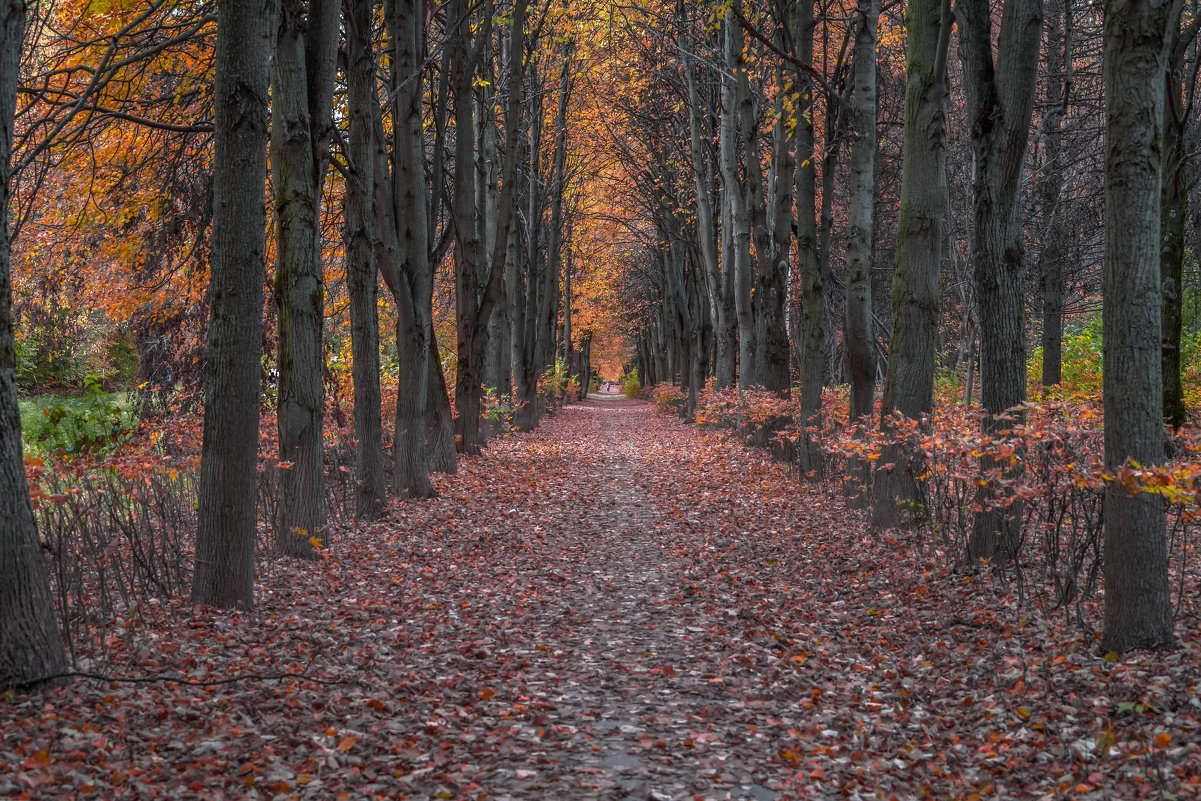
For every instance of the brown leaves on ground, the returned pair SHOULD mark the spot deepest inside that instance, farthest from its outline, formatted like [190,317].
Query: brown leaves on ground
[616,606]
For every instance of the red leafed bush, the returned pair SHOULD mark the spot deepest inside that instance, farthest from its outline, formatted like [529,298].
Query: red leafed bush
[1045,464]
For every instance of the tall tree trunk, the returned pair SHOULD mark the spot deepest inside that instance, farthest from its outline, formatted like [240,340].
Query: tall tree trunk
[773,281]
[30,643]
[440,433]
[1174,214]
[909,384]
[706,228]
[228,487]
[301,126]
[1000,100]
[478,275]
[1051,269]
[361,279]
[860,342]
[811,333]
[735,214]
[551,289]
[754,201]
[405,255]
[858,331]
[1138,608]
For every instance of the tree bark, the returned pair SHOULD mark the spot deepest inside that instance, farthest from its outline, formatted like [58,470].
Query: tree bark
[405,256]
[301,127]
[228,484]
[1051,268]
[30,643]
[811,333]
[1138,609]
[860,343]
[706,229]
[858,331]
[1000,100]
[736,214]
[909,383]
[361,278]
[1175,204]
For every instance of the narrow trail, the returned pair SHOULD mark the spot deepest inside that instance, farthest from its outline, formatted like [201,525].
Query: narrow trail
[613,606]
[634,684]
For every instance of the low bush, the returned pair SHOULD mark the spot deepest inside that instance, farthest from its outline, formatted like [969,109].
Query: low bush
[1046,465]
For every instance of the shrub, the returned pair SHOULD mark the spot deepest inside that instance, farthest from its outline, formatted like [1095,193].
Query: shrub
[632,389]
[93,423]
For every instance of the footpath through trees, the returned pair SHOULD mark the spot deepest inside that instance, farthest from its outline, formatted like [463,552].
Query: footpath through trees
[615,605]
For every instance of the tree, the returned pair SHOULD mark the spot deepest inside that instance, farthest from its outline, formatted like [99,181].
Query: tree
[405,256]
[859,330]
[811,333]
[909,382]
[225,531]
[478,274]
[999,95]
[301,129]
[361,275]
[30,643]
[1051,268]
[1178,102]
[1138,609]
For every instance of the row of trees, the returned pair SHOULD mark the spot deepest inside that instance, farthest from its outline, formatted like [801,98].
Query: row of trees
[399,136]
[784,250]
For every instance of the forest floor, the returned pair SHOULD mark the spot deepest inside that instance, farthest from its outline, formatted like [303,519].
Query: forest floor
[615,606]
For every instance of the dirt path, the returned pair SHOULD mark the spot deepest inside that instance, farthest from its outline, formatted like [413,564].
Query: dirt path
[634,685]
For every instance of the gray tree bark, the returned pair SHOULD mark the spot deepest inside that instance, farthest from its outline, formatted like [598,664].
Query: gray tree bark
[30,643]
[811,332]
[1000,99]
[706,231]
[404,253]
[1138,609]
[909,383]
[735,214]
[478,274]
[301,128]
[1051,268]
[860,342]
[361,278]
[1177,102]
[227,493]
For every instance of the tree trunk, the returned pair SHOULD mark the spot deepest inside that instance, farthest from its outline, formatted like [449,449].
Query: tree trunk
[909,384]
[860,343]
[1051,268]
[301,126]
[361,279]
[405,257]
[811,333]
[1000,100]
[773,281]
[858,330]
[228,485]
[754,204]
[1138,609]
[30,643]
[475,298]
[1174,214]
[440,434]
[706,229]
[736,214]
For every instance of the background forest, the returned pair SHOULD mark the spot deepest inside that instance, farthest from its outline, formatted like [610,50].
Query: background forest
[274,262]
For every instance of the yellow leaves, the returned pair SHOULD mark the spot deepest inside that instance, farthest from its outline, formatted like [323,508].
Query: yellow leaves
[346,744]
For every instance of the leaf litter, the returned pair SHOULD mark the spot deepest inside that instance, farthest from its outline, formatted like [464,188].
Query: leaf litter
[616,606]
